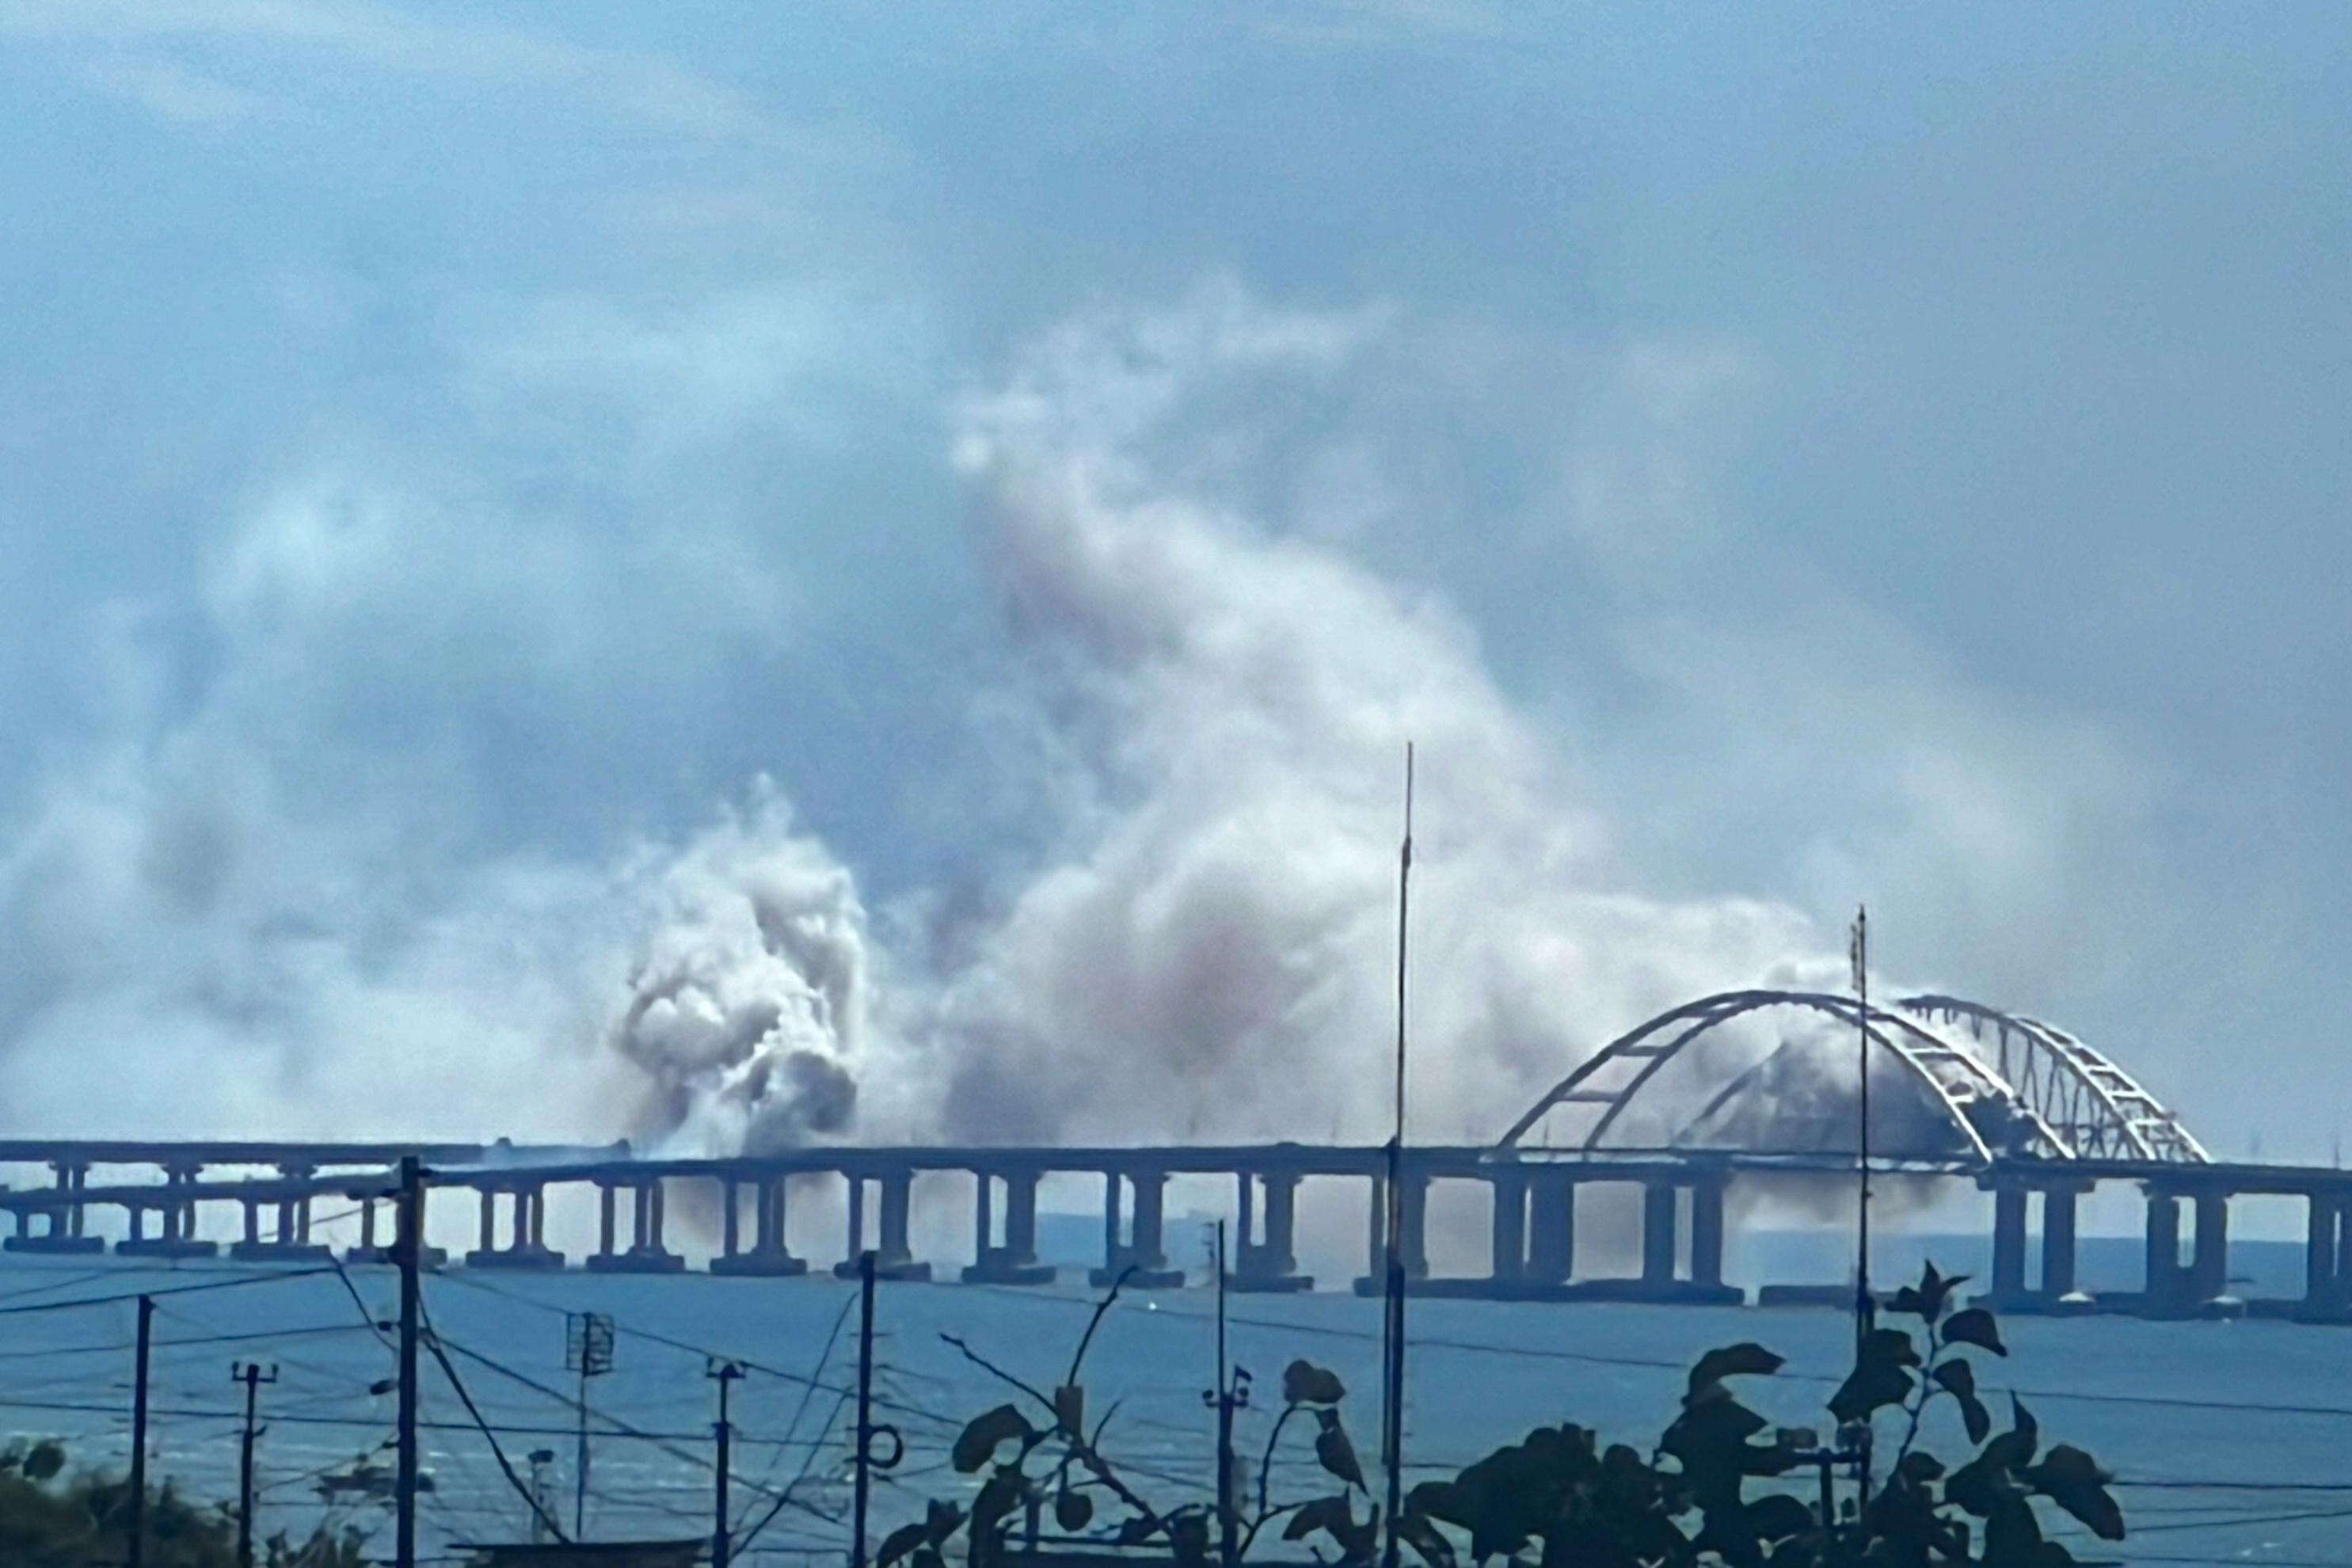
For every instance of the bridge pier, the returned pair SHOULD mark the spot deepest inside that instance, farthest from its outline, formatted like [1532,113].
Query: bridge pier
[1142,1257]
[1015,1260]
[1412,1235]
[374,1248]
[893,1259]
[1661,1280]
[291,1240]
[63,1230]
[2009,1291]
[647,1253]
[1268,1263]
[1551,1229]
[1506,1246]
[176,1232]
[2200,1289]
[527,1245]
[769,1257]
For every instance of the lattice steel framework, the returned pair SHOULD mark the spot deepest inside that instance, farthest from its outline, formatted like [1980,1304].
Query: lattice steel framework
[2098,1109]
[2007,1086]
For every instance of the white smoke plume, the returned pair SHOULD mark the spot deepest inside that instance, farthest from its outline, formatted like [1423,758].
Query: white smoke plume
[1208,952]
[243,934]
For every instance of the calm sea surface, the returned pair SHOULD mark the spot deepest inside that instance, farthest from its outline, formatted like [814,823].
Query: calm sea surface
[2229,1438]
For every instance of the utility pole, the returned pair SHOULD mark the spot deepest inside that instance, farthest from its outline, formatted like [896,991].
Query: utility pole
[408,1252]
[725,1374]
[1231,1394]
[540,1512]
[588,1350]
[137,1554]
[864,1404]
[1392,1368]
[1865,1303]
[251,1374]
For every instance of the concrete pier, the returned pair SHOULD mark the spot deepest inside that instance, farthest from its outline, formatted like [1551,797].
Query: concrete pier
[61,1228]
[290,1239]
[1265,1256]
[526,1245]
[893,1259]
[767,1257]
[1141,1259]
[175,1232]
[647,1253]
[1413,1238]
[1012,1260]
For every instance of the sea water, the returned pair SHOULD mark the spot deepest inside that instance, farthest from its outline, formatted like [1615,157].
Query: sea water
[2227,1438]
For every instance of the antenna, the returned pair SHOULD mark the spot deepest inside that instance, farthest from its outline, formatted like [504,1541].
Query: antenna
[1865,1305]
[1865,1308]
[1392,1406]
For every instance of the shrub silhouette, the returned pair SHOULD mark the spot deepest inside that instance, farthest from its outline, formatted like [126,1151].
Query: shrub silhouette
[1712,1492]
[66,1520]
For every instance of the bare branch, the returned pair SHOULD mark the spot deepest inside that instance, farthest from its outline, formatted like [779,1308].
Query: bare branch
[1102,1307]
[998,1373]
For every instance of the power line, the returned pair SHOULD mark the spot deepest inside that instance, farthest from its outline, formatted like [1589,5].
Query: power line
[177,1290]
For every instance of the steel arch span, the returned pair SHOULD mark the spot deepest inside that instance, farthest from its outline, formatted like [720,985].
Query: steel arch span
[2100,1110]
[2038,1093]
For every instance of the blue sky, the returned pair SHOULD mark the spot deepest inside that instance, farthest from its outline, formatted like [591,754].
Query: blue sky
[450,458]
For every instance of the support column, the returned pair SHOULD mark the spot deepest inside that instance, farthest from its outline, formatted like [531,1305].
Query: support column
[175,1229]
[1658,1234]
[1268,1263]
[2009,1245]
[1414,1211]
[527,1232]
[608,1227]
[1015,1262]
[2320,1295]
[730,1225]
[892,1257]
[647,1253]
[1707,1236]
[2058,1242]
[1552,1235]
[2208,1268]
[1114,1249]
[61,1228]
[768,1256]
[898,1196]
[2164,1281]
[983,1218]
[1508,1232]
[1144,1260]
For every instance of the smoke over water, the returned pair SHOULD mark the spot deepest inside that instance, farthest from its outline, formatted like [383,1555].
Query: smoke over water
[1212,705]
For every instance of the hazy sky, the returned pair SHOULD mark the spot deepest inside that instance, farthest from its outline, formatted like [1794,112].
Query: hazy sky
[448,456]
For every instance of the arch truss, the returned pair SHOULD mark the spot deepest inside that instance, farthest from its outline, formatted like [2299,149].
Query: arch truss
[2099,1110]
[2005,1086]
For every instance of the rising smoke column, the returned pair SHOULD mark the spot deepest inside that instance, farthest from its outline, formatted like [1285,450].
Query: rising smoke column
[1206,950]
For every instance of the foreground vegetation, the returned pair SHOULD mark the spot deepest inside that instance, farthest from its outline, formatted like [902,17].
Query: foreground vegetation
[1718,1487]
[51,1517]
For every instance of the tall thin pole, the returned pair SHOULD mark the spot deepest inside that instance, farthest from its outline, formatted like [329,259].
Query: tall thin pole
[1227,1398]
[251,1375]
[864,1404]
[137,1554]
[1865,1306]
[409,1253]
[580,1460]
[721,1546]
[1392,1407]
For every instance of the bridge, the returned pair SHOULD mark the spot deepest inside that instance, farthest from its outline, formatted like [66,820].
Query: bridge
[1743,1086]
